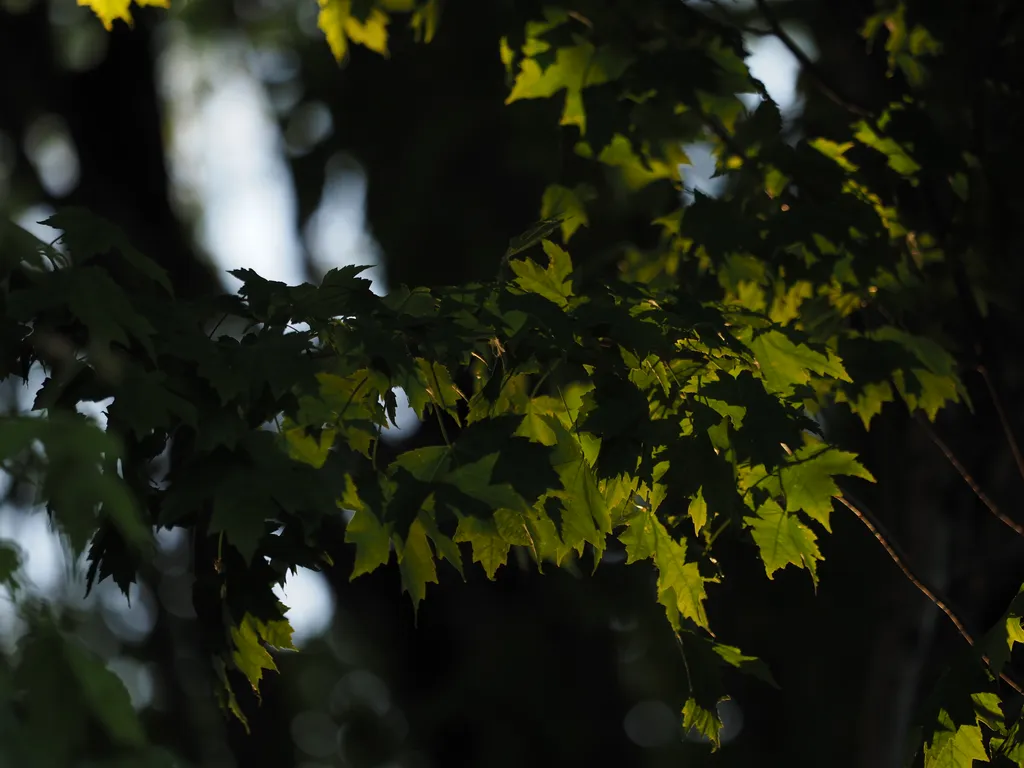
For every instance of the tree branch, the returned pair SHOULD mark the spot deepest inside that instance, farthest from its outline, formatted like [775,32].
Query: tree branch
[1004,420]
[962,470]
[873,525]
[805,61]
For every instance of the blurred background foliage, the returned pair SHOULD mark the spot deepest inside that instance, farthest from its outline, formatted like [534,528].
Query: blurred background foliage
[224,134]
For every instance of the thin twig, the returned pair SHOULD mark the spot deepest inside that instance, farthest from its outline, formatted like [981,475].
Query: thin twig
[805,61]
[1003,420]
[686,664]
[877,531]
[982,496]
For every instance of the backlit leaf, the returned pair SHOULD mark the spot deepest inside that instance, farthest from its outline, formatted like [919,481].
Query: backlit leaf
[783,540]
[489,548]
[553,282]
[808,485]
[109,10]
[416,563]
[339,25]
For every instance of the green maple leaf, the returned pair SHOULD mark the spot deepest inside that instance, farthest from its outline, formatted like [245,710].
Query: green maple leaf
[566,205]
[371,539]
[931,385]
[953,746]
[445,547]
[340,25]
[868,402]
[416,563]
[534,425]
[899,160]
[750,665]
[88,235]
[573,69]
[242,505]
[680,585]
[552,282]
[249,654]
[998,642]
[785,363]
[438,388]
[105,310]
[703,722]
[807,482]
[144,402]
[476,481]
[277,633]
[640,536]
[585,516]
[928,391]
[305,448]
[340,293]
[490,549]
[783,540]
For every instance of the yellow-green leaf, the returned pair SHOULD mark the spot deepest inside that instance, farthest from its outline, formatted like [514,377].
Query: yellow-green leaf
[489,548]
[109,10]
[784,540]
[702,721]
[566,204]
[680,585]
[807,482]
[553,282]
[303,447]
[372,539]
[340,26]
[249,655]
[416,563]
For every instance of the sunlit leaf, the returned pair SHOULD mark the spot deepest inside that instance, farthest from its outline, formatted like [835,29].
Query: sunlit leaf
[110,10]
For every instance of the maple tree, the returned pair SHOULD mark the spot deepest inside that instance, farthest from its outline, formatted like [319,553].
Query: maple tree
[660,401]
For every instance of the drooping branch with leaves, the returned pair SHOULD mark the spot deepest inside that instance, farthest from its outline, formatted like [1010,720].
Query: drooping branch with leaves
[659,399]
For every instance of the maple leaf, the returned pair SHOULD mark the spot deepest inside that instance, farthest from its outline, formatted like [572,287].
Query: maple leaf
[243,502]
[783,540]
[445,547]
[553,282]
[785,363]
[249,654]
[372,541]
[585,516]
[109,10]
[953,746]
[573,69]
[680,585]
[339,25]
[416,563]
[305,448]
[998,642]
[567,205]
[490,549]
[702,721]
[807,482]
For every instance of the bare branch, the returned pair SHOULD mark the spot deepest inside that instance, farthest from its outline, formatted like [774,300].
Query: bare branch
[805,61]
[873,525]
[960,468]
